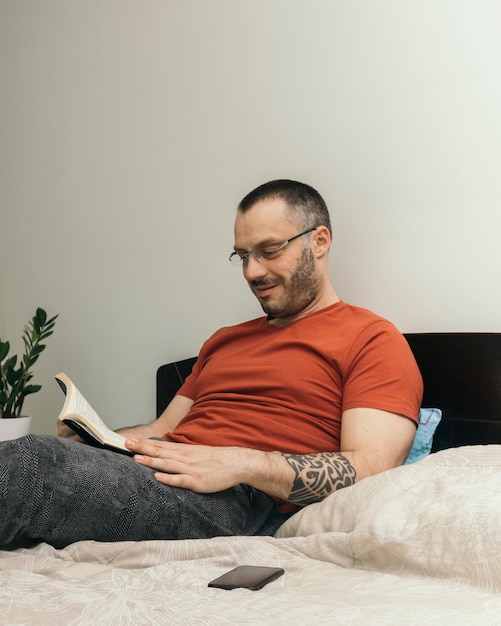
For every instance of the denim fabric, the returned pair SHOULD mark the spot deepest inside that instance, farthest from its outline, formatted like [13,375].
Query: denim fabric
[59,491]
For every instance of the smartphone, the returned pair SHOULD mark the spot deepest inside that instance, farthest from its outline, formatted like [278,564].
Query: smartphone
[247,576]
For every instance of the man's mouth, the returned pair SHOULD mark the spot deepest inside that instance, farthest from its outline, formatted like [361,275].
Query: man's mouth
[263,289]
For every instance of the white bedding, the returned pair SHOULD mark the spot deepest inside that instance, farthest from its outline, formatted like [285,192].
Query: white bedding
[420,544]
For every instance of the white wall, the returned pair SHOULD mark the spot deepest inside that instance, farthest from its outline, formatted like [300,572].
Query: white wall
[130,129]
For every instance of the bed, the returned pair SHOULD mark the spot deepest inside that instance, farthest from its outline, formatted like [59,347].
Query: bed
[419,544]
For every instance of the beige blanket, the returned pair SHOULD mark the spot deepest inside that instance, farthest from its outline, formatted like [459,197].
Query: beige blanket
[419,544]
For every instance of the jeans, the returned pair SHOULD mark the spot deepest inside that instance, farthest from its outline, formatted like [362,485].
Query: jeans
[60,491]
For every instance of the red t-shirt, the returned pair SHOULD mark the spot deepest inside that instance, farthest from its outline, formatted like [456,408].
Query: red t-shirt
[259,386]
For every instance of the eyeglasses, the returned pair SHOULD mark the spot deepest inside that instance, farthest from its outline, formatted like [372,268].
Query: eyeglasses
[268,253]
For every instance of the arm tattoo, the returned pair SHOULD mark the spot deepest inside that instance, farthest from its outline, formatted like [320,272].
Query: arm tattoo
[317,475]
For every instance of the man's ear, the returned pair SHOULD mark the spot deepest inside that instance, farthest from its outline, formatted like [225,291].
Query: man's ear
[321,241]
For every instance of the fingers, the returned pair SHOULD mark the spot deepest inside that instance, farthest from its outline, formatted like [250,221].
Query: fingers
[66,432]
[162,456]
[199,468]
[158,448]
[183,481]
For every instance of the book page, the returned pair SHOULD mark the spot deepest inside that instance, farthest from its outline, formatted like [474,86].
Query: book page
[79,405]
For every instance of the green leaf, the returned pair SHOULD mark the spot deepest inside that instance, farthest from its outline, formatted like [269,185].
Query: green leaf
[30,389]
[13,376]
[4,349]
[32,361]
[41,316]
[10,363]
[49,325]
[38,349]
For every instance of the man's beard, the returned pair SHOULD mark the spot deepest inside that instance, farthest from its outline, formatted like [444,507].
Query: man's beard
[299,290]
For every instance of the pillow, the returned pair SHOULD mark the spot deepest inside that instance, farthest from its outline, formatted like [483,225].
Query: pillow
[427,424]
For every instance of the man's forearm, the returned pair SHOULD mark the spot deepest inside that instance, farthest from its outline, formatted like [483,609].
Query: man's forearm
[140,430]
[301,478]
[318,475]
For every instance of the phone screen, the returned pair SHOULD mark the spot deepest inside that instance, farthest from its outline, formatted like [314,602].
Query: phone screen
[248,576]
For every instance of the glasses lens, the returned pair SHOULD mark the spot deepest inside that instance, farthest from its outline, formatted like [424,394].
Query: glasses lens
[236,259]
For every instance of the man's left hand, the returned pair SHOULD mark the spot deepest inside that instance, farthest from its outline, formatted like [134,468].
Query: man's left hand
[204,469]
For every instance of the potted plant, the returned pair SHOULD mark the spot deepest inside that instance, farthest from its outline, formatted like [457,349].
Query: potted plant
[15,377]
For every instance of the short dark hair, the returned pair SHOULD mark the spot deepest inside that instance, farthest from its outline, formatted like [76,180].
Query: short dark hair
[306,205]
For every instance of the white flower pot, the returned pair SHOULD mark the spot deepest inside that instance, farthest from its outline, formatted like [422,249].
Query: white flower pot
[14,427]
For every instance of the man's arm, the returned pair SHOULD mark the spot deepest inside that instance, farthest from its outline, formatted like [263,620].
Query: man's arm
[170,418]
[371,442]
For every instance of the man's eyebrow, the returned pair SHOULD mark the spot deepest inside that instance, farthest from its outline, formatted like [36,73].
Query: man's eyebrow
[272,241]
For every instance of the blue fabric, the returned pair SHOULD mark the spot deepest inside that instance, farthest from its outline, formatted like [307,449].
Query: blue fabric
[429,419]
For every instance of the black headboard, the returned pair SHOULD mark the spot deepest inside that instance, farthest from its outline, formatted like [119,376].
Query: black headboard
[462,377]
[170,377]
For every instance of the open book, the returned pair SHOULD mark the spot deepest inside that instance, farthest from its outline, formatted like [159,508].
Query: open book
[78,414]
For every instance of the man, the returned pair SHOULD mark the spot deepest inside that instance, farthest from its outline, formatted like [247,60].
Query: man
[279,412]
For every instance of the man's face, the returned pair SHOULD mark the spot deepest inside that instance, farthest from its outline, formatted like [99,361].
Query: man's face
[289,283]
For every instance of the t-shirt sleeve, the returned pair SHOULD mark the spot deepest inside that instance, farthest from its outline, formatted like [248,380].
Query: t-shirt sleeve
[381,373]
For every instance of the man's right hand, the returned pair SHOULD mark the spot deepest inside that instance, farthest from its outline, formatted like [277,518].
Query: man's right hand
[66,432]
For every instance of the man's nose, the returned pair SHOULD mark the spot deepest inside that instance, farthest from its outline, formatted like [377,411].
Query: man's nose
[254,269]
